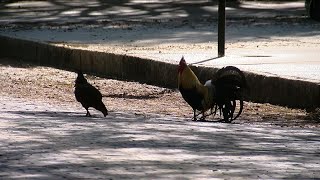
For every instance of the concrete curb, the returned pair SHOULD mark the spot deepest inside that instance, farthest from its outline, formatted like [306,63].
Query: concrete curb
[263,89]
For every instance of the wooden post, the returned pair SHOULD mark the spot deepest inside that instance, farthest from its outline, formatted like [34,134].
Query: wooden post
[221,27]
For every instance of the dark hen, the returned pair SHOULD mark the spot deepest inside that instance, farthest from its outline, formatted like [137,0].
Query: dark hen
[230,83]
[88,95]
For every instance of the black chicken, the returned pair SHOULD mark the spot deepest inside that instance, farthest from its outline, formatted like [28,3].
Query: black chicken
[88,95]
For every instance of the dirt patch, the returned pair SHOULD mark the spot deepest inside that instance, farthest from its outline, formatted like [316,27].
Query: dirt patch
[54,86]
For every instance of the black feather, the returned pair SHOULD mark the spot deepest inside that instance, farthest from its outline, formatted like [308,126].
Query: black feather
[192,97]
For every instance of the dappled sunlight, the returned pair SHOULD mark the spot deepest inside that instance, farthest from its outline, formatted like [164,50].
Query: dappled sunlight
[54,143]
[29,4]
[158,31]
[47,140]
[80,10]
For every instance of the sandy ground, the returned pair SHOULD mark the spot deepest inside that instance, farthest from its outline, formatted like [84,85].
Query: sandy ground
[54,86]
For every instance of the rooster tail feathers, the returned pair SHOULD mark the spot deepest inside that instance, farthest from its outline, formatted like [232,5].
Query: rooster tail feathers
[240,109]
[230,83]
[231,75]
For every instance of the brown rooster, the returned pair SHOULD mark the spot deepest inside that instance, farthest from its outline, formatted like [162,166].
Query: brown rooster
[88,95]
[222,92]
[197,95]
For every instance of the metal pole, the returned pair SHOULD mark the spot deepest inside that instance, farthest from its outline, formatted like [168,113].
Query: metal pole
[221,27]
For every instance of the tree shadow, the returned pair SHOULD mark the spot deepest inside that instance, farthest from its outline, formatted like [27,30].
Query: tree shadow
[122,9]
[199,15]
[62,144]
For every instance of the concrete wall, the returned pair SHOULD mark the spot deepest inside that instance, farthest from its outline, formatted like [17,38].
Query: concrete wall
[274,90]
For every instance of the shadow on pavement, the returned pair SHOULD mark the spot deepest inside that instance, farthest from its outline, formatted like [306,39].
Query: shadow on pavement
[64,144]
[133,22]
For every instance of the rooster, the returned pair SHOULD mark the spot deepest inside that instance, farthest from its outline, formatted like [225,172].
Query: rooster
[221,92]
[88,95]
[197,95]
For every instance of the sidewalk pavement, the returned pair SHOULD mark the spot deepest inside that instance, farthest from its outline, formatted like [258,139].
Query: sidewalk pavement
[270,39]
[41,141]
